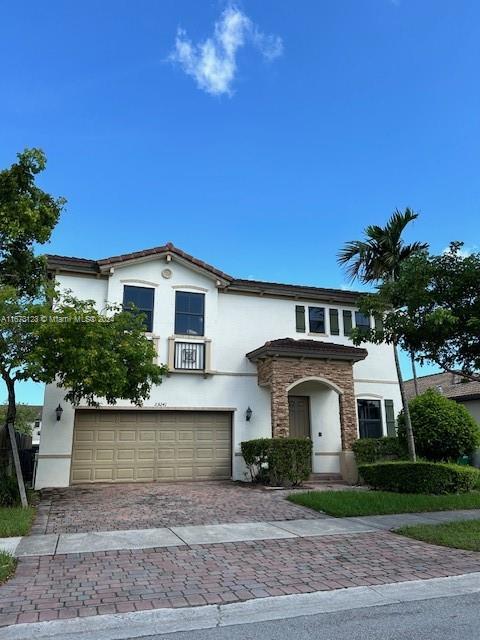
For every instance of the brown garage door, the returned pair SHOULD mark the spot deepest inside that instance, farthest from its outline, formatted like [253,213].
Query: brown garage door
[138,446]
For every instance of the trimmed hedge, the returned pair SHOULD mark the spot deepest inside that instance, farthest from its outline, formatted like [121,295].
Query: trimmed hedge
[278,461]
[373,449]
[443,429]
[420,477]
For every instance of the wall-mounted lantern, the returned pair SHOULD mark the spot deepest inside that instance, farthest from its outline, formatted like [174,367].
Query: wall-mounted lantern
[58,412]
[248,414]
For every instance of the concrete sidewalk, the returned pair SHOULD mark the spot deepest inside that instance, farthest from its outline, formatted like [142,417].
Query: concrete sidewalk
[53,544]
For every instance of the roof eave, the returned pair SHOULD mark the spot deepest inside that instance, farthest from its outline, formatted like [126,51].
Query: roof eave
[258,354]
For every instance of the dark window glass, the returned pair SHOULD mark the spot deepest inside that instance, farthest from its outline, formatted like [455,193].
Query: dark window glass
[369,418]
[316,317]
[300,318]
[362,322]
[189,313]
[334,326]
[140,300]
[347,323]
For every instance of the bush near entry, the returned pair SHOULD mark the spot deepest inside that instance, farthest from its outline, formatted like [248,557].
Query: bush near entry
[420,477]
[443,430]
[373,449]
[278,461]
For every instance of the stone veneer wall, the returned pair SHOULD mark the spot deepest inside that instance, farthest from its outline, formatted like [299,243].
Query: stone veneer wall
[279,373]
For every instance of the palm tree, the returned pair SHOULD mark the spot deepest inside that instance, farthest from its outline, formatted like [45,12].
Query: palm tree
[378,258]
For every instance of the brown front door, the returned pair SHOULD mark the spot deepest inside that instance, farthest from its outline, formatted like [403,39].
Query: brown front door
[299,415]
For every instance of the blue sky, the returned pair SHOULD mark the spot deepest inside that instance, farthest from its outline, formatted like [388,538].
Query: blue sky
[295,126]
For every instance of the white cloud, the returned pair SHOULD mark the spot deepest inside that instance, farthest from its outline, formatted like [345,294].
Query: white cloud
[212,63]
[463,252]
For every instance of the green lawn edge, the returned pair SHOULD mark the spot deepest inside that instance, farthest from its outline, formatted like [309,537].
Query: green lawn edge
[463,534]
[16,521]
[7,566]
[367,503]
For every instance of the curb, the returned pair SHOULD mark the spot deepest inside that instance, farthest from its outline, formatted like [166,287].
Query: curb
[160,621]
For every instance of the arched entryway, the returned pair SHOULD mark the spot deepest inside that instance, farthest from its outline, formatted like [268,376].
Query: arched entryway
[322,371]
[314,412]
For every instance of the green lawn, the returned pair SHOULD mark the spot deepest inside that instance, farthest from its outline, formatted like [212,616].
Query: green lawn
[15,521]
[367,503]
[7,566]
[460,535]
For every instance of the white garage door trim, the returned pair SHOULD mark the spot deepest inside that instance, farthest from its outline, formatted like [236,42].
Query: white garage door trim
[116,446]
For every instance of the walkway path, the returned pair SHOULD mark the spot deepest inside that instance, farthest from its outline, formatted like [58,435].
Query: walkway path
[95,541]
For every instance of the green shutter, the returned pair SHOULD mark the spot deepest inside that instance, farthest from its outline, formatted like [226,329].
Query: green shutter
[300,318]
[378,323]
[390,418]
[334,326]
[347,323]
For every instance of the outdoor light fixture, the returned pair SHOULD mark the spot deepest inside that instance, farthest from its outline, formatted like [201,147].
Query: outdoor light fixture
[248,414]
[58,412]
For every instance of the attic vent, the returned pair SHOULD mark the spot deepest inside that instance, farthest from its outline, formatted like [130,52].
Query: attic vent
[167,273]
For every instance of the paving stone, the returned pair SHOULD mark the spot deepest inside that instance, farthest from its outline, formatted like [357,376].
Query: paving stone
[154,505]
[217,573]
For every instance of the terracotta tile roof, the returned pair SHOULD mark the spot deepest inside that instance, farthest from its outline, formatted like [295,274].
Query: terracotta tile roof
[295,291]
[450,385]
[230,284]
[288,347]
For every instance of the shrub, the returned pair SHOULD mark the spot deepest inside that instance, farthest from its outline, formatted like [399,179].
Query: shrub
[443,429]
[419,477]
[278,461]
[372,449]
[9,494]
[254,453]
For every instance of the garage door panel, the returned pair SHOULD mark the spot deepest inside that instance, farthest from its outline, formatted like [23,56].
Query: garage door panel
[125,455]
[104,455]
[102,474]
[139,446]
[145,455]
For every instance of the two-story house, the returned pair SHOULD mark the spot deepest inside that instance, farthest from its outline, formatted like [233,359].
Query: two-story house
[246,359]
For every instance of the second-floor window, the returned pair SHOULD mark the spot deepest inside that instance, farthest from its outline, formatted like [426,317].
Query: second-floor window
[189,313]
[140,300]
[316,318]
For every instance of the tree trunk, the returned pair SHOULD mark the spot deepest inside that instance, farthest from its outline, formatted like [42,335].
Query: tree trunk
[406,410]
[414,371]
[10,422]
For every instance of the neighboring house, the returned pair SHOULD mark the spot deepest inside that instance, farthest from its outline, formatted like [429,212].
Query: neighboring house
[37,427]
[247,359]
[453,386]
[33,421]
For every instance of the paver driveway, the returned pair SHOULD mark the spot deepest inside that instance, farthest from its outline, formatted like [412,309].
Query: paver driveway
[88,584]
[142,506]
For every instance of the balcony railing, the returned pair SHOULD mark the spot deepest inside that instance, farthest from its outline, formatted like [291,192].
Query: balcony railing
[189,356]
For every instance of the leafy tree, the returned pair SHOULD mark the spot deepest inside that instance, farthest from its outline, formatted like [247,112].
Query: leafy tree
[90,354]
[48,338]
[377,259]
[25,416]
[27,217]
[437,310]
[444,430]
